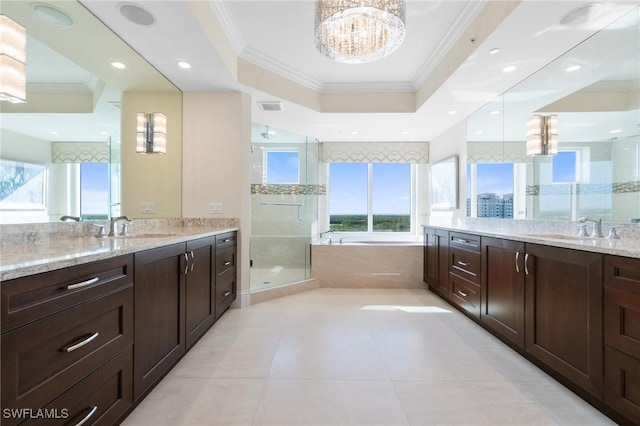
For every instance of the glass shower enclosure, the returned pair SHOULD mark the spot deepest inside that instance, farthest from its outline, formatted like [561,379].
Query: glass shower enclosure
[284,204]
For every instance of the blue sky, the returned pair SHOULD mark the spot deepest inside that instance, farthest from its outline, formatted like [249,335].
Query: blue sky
[348,188]
[94,188]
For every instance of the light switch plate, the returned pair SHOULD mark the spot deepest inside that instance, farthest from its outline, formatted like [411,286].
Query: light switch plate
[216,208]
[148,208]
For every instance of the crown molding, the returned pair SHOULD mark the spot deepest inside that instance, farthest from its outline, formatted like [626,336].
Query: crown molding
[462,22]
[376,87]
[228,25]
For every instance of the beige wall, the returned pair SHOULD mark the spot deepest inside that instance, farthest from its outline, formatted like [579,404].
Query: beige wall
[152,178]
[217,164]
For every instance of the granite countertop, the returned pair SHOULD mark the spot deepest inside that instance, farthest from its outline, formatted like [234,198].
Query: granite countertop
[20,260]
[540,233]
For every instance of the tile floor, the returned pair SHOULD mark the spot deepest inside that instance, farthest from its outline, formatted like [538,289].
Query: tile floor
[357,357]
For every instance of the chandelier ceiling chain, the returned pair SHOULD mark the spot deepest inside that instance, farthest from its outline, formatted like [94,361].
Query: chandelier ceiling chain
[359,31]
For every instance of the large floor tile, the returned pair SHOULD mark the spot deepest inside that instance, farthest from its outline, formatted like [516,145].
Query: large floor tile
[303,402]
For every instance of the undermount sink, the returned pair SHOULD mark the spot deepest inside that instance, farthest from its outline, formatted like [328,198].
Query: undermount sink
[560,236]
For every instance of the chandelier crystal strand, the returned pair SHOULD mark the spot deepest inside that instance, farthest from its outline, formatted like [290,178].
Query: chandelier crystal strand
[359,31]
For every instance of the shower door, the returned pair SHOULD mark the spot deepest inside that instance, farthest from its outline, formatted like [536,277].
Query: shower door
[284,190]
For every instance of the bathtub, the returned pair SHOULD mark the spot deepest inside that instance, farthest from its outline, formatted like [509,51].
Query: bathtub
[368,264]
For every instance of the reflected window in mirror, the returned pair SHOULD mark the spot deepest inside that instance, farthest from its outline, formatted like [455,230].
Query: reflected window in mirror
[94,191]
[496,190]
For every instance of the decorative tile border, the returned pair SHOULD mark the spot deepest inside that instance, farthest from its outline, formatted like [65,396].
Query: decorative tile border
[288,189]
[583,189]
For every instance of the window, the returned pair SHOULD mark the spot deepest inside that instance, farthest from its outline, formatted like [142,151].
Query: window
[282,167]
[94,191]
[374,197]
[491,186]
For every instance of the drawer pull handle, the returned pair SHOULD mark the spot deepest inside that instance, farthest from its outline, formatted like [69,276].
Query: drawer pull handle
[227,263]
[193,260]
[460,262]
[517,257]
[226,240]
[461,240]
[83,283]
[88,416]
[227,293]
[462,293]
[80,344]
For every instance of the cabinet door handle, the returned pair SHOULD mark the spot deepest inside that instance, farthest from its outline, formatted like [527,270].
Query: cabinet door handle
[227,293]
[460,262]
[186,264]
[80,344]
[526,264]
[83,283]
[434,240]
[88,416]
[227,263]
[462,293]
[517,257]
[193,260]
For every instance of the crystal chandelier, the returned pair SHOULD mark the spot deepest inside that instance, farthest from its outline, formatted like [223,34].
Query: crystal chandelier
[359,31]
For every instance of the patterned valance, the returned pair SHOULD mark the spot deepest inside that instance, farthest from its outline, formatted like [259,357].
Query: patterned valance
[375,152]
[80,152]
[497,152]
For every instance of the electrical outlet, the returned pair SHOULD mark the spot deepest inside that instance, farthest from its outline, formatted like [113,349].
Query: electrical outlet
[216,208]
[147,208]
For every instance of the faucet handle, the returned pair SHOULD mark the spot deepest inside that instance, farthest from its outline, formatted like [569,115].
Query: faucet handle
[125,229]
[100,233]
[613,235]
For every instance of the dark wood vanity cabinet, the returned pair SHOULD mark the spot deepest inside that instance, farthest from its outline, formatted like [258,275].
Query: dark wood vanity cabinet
[200,288]
[503,288]
[225,270]
[563,313]
[622,335]
[160,304]
[436,260]
[67,340]
[464,272]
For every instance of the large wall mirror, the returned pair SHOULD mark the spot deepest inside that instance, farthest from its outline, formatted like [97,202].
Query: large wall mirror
[594,90]
[61,150]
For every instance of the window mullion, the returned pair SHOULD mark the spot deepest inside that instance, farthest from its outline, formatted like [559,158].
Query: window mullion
[370,198]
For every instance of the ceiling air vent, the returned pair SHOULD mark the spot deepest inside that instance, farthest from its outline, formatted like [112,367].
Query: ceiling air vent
[271,106]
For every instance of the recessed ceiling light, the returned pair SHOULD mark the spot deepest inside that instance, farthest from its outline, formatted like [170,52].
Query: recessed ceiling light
[452,112]
[478,132]
[136,14]
[494,51]
[104,133]
[184,64]
[573,68]
[117,64]
[510,68]
[495,112]
[52,15]
[354,133]
[405,132]
[54,132]
[614,131]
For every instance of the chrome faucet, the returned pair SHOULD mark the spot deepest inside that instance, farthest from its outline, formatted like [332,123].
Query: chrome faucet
[597,226]
[322,234]
[66,218]
[114,224]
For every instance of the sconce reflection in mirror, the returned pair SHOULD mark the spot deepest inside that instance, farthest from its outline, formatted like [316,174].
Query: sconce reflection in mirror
[542,135]
[152,133]
[13,78]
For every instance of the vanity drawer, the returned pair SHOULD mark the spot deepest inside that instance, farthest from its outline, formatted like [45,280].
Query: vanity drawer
[31,298]
[622,273]
[225,293]
[622,383]
[465,294]
[464,241]
[465,264]
[622,320]
[102,398]
[226,240]
[43,359]
[225,261]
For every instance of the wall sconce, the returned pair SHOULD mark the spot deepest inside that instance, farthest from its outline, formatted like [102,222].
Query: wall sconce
[542,135]
[13,55]
[152,133]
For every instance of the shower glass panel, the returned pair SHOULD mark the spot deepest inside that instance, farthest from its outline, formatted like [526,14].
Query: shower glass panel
[284,200]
